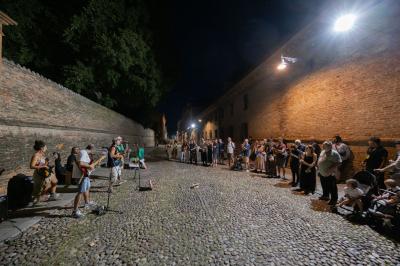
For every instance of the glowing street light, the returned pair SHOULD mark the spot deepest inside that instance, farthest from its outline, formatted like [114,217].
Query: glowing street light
[199,120]
[344,23]
[285,61]
[193,125]
[282,66]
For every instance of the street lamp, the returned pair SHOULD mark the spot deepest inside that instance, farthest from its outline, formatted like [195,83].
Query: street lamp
[344,23]
[193,126]
[285,60]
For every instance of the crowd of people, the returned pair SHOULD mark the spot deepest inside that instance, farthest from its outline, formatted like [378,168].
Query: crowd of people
[78,168]
[306,162]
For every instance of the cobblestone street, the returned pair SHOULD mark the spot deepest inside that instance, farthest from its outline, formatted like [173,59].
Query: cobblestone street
[230,218]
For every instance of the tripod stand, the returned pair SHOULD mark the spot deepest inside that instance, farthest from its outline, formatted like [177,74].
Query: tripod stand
[107,208]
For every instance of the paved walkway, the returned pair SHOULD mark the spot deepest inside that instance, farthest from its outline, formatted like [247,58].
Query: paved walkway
[230,218]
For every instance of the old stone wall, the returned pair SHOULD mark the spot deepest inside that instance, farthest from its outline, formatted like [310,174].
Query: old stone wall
[343,83]
[33,107]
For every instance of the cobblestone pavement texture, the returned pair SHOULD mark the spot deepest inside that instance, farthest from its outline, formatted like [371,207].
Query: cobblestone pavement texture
[231,218]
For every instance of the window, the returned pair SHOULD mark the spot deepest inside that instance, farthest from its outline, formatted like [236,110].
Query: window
[245,102]
[231,109]
[216,133]
[244,131]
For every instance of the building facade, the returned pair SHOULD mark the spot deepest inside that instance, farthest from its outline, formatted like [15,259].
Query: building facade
[345,83]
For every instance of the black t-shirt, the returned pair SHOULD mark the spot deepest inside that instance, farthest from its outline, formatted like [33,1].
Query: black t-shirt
[70,162]
[375,157]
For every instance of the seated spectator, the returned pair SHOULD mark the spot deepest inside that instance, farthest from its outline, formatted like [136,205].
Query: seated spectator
[385,204]
[43,180]
[58,168]
[71,160]
[352,195]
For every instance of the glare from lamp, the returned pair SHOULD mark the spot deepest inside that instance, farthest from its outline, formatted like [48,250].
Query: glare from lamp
[193,125]
[344,23]
[199,120]
[282,66]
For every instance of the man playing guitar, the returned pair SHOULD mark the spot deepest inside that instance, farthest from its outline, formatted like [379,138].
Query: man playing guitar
[82,169]
[115,161]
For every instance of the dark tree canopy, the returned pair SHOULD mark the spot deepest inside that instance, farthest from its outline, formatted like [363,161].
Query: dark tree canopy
[102,49]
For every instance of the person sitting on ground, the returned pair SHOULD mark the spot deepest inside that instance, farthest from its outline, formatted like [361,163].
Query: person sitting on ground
[43,180]
[70,164]
[82,169]
[246,149]
[58,168]
[385,204]
[352,195]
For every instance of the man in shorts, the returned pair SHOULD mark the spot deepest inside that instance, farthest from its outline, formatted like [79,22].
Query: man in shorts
[81,170]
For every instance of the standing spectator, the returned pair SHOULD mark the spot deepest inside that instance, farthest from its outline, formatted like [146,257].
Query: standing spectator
[316,147]
[230,149]
[209,152]
[328,162]
[270,162]
[295,156]
[345,154]
[184,148]
[203,151]
[246,149]
[281,156]
[70,164]
[221,151]
[308,162]
[376,159]
[215,152]
[260,157]
[193,152]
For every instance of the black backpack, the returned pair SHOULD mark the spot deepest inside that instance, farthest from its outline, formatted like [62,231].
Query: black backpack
[19,191]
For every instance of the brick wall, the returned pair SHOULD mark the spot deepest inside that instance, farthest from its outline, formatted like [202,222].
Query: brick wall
[347,84]
[33,107]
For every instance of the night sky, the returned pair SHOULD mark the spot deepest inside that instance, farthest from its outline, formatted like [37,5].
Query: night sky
[215,43]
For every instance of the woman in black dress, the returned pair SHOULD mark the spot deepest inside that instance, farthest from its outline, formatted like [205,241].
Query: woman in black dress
[307,172]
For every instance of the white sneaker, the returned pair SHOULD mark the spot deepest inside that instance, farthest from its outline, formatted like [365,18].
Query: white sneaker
[247,171]
[90,205]
[77,214]
[54,196]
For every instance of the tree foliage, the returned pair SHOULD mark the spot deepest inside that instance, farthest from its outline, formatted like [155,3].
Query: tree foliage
[102,49]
